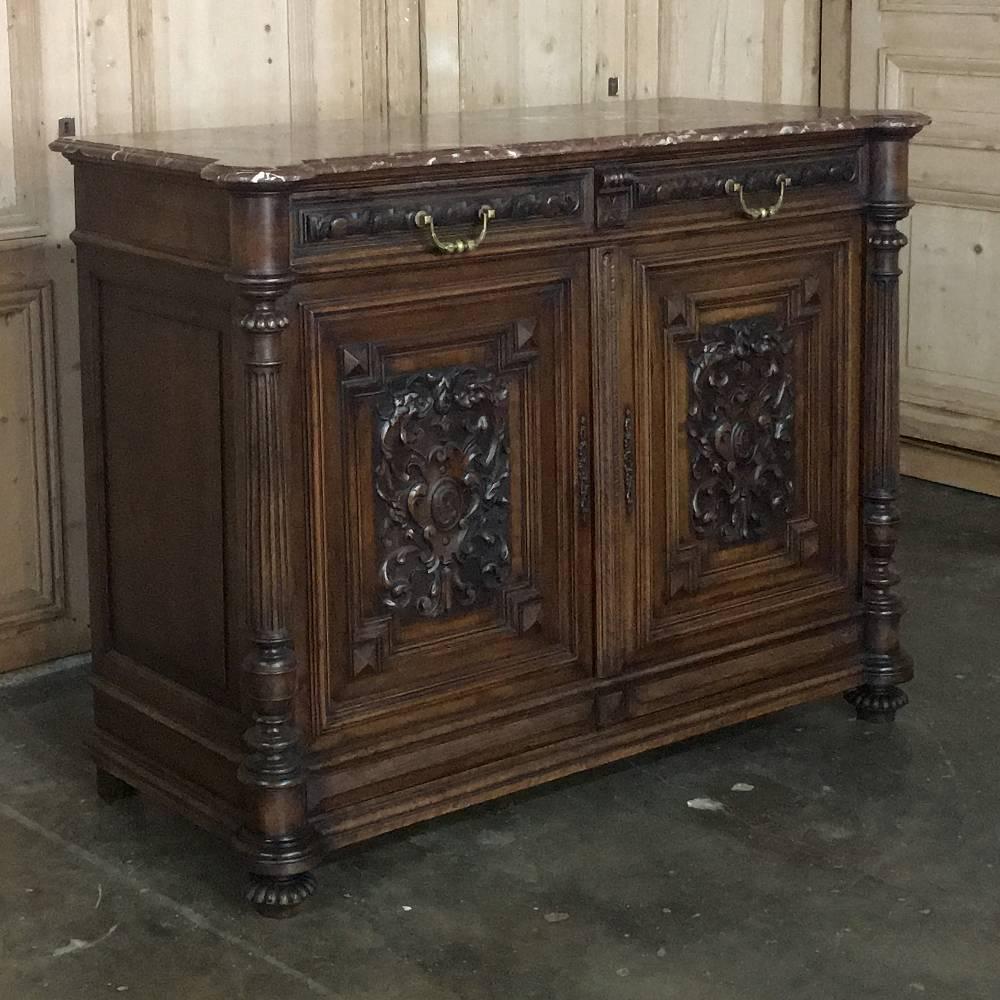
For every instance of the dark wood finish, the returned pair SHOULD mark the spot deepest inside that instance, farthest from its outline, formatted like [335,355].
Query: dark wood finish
[886,665]
[378,532]
[112,789]
[276,837]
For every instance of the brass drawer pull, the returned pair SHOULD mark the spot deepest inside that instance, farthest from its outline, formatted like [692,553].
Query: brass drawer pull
[766,211]
[424,220]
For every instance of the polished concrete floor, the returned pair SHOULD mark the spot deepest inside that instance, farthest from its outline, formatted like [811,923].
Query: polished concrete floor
[863,864]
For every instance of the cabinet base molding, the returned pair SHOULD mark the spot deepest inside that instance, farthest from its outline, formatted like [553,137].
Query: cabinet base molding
[338,828]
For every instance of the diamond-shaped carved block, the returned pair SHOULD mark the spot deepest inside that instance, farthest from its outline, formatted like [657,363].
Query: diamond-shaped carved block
[365,658]
[684,571]
[524,332]
[803,539]
[675,314]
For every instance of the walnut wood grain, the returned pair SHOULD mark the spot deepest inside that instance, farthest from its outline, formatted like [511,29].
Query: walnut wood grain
[276,837]
[886,664]
[376,534]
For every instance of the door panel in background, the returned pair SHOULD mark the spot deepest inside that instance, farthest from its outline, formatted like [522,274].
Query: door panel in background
[42,543]
[943,58]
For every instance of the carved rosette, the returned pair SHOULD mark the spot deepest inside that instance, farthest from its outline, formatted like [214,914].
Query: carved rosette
[442,481]
[739,427]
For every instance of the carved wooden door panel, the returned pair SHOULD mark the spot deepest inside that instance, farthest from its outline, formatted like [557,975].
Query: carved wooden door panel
[740,426]
[450,482]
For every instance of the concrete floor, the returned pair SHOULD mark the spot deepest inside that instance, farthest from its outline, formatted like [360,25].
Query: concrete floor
[863,864]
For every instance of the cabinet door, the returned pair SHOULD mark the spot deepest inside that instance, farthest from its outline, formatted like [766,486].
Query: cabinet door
[742,399]
[450,485]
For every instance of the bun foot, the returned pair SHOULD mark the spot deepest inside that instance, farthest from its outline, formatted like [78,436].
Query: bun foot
[279,897]
[877,704]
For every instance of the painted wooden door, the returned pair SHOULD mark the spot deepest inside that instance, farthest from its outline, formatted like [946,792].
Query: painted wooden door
[943,57]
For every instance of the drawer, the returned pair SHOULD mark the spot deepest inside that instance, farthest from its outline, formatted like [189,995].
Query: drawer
[644,195]
[383,222]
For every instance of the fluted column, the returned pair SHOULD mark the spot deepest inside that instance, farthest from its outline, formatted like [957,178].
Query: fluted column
[885,665]
[279,843]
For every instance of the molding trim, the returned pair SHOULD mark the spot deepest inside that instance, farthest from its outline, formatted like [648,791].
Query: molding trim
[968,470]
[983,7]
[28,312]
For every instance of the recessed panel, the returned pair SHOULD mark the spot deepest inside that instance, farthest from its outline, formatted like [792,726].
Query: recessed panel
[447,526]
[164,504]
[30,530]
[745,396]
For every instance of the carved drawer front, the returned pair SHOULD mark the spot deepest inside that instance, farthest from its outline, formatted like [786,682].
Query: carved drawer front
[449,543]
[745,399]
[735,188]
[390,221]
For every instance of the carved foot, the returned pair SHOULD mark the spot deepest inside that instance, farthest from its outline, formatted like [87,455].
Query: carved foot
[877,704]
[111,788]
[279,897]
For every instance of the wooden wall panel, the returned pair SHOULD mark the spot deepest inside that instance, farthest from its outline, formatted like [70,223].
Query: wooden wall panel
[207,59]
[21,138]
[39,613]
[943,58]
[42,546]
[642,49]
[183,63]
[476,54]
[30,548]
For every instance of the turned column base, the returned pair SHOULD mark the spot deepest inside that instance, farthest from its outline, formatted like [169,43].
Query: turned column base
[877,704]
[278,898]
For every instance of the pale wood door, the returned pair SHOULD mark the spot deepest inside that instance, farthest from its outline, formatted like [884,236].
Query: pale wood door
[943,57]
[43,600]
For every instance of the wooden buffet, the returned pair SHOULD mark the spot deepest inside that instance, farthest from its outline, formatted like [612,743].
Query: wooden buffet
[431,460]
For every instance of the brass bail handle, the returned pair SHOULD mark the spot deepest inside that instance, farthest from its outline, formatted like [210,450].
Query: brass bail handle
[424,220]
[783,181]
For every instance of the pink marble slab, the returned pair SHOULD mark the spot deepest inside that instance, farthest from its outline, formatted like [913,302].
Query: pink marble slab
[287,154]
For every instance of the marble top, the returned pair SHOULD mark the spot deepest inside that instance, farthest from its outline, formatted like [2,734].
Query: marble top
[270,155]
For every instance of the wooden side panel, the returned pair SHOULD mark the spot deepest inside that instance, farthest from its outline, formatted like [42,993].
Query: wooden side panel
[161,373]
[185,221]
